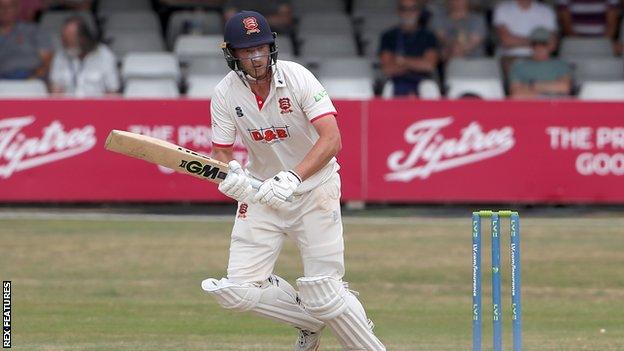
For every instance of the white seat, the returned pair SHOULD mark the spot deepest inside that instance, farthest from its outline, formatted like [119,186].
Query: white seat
[328,45]
[371,41]
[136,20]
[124,42]
[428,89]
[304,7]
[605,91]
[485,88]
[473,68]
[30,88]
[572,47]
[330,23]
[193,22]
[349,88]
[202,86]
[363,8]
[345,67]
[150,65]
[107,7]
[151,88]
[188,46]
[209,65]
[604,69]
[52,21]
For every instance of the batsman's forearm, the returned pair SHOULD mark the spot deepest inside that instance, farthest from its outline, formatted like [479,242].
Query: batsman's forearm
[320,154]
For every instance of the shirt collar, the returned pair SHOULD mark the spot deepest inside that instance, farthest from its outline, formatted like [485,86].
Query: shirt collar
[278,76]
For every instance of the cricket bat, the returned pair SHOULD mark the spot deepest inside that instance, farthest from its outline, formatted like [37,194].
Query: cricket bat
[169,155]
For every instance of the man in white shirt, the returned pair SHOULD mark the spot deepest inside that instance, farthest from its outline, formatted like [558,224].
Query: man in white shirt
[287,122]
[514,22]
[84,67]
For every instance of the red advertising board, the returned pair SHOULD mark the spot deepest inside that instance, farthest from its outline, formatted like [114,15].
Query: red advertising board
[397,151]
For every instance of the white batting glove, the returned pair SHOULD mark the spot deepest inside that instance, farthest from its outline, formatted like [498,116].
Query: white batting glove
[274,191]
[236,184]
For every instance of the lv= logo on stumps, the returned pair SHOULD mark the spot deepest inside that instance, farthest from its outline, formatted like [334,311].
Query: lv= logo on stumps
[514,254]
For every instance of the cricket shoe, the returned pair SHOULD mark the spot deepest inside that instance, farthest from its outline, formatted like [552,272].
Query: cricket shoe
[308,341]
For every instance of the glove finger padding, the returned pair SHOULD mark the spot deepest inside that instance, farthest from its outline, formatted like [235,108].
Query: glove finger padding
[228,183]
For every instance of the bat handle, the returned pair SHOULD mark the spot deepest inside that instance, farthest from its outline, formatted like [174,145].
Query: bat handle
[255,183]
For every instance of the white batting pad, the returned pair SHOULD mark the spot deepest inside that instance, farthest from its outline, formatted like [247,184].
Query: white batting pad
[274,298]
[327,299]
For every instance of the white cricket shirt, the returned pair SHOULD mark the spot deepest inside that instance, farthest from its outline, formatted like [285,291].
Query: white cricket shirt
[277,132]
[521,22]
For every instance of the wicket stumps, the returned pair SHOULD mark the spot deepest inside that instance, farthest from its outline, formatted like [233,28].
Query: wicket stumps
[516,307]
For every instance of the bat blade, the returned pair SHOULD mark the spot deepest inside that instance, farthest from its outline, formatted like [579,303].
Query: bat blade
[166,154]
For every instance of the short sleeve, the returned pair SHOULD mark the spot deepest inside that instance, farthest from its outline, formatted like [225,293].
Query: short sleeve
[223,128]
[500,16]
[386,43]
[56,70]
[313,97]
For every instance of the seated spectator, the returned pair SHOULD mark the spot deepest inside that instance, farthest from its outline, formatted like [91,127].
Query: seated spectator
[408,52]
[588,17]
[461,32]
[277,12]
[540,75]
[25,52]
[514,22]
[83,67]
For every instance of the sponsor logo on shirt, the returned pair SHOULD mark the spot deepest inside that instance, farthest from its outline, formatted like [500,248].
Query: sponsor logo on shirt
[270,134]
[242,210]
[239,111]
[251,25]
[285,106]
[320,95]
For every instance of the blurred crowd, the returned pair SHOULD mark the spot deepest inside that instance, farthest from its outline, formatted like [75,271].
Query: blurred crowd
[358,48]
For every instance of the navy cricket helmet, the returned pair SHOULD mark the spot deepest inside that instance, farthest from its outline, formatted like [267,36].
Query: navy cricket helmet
[244,30]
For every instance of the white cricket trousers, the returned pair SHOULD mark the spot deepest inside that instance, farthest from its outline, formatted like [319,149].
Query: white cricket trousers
[312,220]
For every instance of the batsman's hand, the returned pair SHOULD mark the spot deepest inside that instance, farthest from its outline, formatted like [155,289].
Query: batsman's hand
[236,184]
[274,191]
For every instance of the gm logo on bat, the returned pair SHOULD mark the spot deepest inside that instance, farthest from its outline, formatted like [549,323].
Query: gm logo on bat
[206,171]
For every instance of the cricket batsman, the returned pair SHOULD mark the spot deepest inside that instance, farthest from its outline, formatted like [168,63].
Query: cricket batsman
[288,124]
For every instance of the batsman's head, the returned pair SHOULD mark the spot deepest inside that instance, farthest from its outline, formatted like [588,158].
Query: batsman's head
[249,45]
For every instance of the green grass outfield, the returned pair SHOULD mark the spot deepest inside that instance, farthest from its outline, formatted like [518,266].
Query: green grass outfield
[134,284]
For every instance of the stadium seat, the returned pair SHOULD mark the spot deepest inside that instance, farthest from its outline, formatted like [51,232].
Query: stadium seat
[150,65]
[328,45]
[321,23]
[473,68]
[202,86]
[210,65]
[428,89]
[605,69]
[366,8]
[130,21]
[371,41]
[284,45]
[151,88]
[124,42]
[605,91]
[107,7]
[304,7]
[51,22]
[198,23]
[572,47]
[187,47]
[349,88]
[31,88]
[345,67]
[485,88]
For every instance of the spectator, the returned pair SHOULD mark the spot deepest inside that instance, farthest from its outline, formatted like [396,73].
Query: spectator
[83,67]
[588,17]
[515,20]
[540,75]
[25,52]
[408,52]
[461,32]
[277,12]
